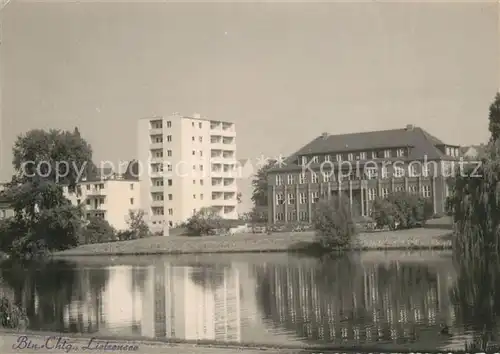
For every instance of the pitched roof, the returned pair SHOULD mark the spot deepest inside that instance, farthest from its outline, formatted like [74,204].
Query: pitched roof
[480,149]
[422,143]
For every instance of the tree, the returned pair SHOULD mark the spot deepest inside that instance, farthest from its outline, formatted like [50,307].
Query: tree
[44,219]
[57,156]
[494,118]
[204,222]
[137,225]
[333,223]
[259,183]
[97,230]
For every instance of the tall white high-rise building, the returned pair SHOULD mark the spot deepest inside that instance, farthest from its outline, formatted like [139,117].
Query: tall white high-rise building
[187,163]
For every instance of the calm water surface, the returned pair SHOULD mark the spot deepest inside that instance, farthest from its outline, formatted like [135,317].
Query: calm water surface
[384,298]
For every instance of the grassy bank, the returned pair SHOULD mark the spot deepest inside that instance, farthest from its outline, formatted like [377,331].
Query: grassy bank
[424,238]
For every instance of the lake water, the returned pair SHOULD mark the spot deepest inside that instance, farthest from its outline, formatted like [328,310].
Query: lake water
[387,299]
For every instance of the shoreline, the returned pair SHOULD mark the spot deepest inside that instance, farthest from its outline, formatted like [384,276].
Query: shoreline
[8,339]
[420,239]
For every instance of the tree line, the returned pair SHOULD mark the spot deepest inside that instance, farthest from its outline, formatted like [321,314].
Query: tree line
[44,219]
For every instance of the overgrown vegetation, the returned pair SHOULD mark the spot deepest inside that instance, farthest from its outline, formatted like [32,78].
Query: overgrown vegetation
[401,211]
[205,222]
[333,223]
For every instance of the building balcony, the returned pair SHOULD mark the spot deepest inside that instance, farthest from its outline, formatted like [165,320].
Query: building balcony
[222,130]
[221,146]
[156,146]
[94,207]
[221,202]
[156,160]
[157,203]
[224,174]
[223,160]
[155,188]
[220,187]
[95,192]
[156,131]
[157,174]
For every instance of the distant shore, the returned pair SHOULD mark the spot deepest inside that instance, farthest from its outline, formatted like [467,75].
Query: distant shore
[414,239]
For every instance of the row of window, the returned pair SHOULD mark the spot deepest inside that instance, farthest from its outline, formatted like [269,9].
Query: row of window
[158,138]
[158,182]
[99,201]
[158,124]
[157,167]
[370,173]
[158,153]
[292,215]
[223,140]
[451,151]
[158,197]
[370,192]
[161,211]
[351,156]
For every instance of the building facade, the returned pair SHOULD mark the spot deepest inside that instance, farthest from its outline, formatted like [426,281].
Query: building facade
[111,198]
[188,163]
[361,167]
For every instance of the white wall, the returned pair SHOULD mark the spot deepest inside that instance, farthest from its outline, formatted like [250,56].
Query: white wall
[117,196]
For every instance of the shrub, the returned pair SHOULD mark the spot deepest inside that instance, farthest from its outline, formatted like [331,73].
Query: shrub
[97,230]
[125,235]
[385,213]
[402,211]
[333,223]
[204,222]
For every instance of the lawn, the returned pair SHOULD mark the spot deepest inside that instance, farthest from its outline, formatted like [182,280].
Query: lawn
[422,238]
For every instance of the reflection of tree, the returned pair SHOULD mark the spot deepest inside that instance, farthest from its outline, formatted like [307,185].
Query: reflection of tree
[208,276]
[54,285]
[476,296]
[337,300]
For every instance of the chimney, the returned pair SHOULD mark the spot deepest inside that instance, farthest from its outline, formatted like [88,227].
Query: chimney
[409,127]
[324,135]
[196,115]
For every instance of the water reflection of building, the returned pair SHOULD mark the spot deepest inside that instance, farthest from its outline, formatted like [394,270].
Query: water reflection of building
[164,302]
[369,304]
[183,309]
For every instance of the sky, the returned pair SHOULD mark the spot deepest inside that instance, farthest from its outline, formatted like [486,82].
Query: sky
[283,72]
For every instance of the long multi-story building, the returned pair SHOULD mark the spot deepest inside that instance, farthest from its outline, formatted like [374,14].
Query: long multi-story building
[188,163]
[361,167]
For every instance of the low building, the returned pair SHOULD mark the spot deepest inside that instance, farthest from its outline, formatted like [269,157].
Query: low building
[108,195]
[361,167]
